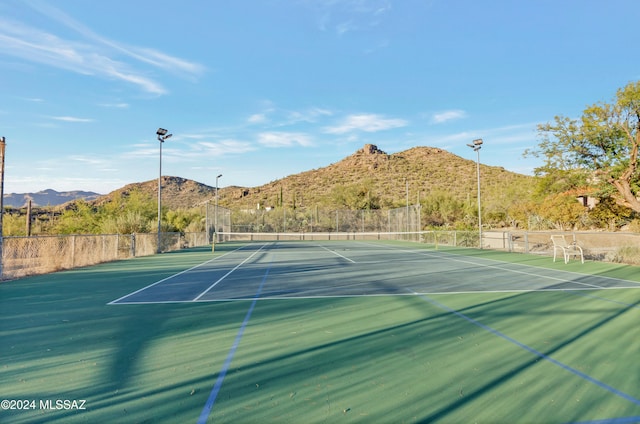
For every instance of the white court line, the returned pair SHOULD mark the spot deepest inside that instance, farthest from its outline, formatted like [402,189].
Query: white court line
[453,257]
[603,277]
[337,254]
[531,274]
[170,277]
[225,275]
[409,294]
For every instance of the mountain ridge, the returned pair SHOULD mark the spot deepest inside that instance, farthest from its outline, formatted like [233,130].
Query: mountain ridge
[387,180]
[47,197]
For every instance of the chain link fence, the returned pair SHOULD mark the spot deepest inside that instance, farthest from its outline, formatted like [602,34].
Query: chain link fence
[599,246]
[315,220]
[23,256]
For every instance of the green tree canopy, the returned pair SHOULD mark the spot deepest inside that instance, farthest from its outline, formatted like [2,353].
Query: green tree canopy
[600,148]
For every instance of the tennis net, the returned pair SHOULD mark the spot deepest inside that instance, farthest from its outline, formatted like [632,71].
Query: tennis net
[416,236]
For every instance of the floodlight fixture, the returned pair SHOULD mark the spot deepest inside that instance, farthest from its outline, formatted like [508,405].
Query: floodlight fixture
[161,131]
[477,144]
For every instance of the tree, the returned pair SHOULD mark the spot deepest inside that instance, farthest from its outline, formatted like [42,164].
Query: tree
[356,196]
[78,218]
[441,208]
[608,214]
[602,146]
[563,211]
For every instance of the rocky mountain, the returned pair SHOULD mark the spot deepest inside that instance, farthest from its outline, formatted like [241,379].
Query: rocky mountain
[177,192]
[420,171]
[387,178]
[48,197]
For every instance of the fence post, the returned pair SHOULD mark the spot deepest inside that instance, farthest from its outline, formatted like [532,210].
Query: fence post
[2,150]
[133,245]
[73,251]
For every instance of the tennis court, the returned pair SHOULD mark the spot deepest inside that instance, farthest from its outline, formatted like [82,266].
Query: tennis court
[325,331]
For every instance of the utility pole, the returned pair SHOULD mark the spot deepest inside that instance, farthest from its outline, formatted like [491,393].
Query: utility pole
[28,228]
[2,147]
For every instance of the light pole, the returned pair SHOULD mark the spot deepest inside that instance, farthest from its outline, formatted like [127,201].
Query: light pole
[476,146]
[162,136]
[215,219]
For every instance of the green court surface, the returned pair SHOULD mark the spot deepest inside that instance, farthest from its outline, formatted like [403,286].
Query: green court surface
[311,332]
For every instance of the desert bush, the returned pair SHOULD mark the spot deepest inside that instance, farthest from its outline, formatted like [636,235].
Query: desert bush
[127,222]
[628,255]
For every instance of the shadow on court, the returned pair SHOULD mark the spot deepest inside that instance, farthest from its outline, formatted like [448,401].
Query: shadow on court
[338,359]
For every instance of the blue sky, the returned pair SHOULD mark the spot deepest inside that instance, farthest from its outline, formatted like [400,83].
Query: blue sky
[257,90]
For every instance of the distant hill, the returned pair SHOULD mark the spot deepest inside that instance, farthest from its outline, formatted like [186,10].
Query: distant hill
[48,197]
[177,192]
[426,170]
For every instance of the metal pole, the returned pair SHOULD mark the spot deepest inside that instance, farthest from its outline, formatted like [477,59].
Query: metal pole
[476,146]
[479,203]
[406,182]
[206,221]
[215,219]
[160,196]
[2,148]
[162,136]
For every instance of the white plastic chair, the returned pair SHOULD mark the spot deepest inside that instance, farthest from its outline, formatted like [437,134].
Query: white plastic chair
[567,249]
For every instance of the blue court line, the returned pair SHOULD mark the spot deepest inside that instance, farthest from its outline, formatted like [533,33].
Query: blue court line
[536,352]
[623,420]
[204,415]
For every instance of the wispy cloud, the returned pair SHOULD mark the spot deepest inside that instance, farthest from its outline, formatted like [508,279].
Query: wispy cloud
[309,115]
[176,152]
[120,105]
[71,119]
[284,139]
[514,137]
[448,115]
[257,118]
[277,117]
[366,123]
[88,160]
[345,16]
[92,54]
[378,46]
[224,147]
